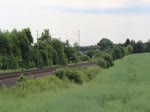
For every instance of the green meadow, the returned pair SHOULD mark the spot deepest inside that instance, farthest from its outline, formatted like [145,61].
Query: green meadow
[125,87]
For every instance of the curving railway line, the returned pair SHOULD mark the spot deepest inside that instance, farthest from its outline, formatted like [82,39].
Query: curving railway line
[11,78]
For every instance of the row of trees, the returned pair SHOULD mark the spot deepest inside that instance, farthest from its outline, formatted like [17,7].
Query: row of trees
[138,47]
[106,51]
[17,50]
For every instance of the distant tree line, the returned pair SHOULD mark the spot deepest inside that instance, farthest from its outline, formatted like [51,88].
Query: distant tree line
[17,50]
[105,52]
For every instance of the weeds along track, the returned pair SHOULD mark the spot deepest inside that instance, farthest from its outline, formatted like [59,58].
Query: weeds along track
[11,78]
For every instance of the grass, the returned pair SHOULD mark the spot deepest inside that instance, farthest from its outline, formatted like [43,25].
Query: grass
[122,88]
[9,71]
[14,70]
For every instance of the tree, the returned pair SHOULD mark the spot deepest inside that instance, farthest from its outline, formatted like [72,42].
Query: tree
[4,43]
[147,46]
[90,52]
[102,63]
[59,48]
[85,57]
[28,34]
[139,47]
[117,54]
[130,49]
[45,36]
[127,42]
[97,54]
[71,52]
[44,52]
[24,46]
[109,60]
[105,44]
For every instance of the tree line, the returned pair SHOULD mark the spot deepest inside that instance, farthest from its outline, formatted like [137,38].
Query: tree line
[17,50]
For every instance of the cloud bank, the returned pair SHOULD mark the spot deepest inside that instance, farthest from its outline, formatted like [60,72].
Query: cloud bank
[96,19]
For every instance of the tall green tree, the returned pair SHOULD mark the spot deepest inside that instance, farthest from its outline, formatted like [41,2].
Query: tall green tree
[127,42]
[117,53]
[139,47]
[28,34]
[105,44]
[147,46]
[45,36]
[59,48]
[90,52]
[70,52]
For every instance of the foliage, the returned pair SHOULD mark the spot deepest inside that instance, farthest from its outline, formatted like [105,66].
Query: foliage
[130,49]
[117,53]
[102,63]
[70,52]
[127,42]
[139,47]
[147,46]
[22,78]
[28,35]
[109,60]
[90,52]
[97,54]
[45,36]
[123,88]
[85,57]
[73,75]
[105,44]
[17,50]
[59,48]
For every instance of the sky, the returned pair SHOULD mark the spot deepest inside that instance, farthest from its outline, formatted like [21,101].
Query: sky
[116,20]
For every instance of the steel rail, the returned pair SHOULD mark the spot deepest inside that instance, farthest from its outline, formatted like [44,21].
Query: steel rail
[41,71]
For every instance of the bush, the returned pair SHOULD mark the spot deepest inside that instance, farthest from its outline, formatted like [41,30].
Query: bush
[76,77]
[73,75]
[91,72]
[109,60]
[130,49]
[117,53]
[22,78]
[60,73]
[85,58]
[102,63]
[31,64]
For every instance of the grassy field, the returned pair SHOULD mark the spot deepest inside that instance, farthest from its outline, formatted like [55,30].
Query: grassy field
[122,88]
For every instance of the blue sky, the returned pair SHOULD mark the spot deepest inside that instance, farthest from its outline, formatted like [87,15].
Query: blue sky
[124,10]
[96,19]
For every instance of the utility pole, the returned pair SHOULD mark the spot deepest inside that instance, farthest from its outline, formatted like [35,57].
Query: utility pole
[79,38]
[78,44]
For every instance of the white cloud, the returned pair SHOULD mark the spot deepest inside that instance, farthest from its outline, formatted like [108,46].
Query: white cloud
[28,13]
[76,3]
[85,3]
[92,3]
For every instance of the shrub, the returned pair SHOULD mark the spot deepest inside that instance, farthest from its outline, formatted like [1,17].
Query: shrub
[109,60]
[117,53]
[130,49]
[91,72]
[21,78]
[73,75]
[60,73]
[102,63]
[76,77]
[85,58]
[31,64]
[97,54]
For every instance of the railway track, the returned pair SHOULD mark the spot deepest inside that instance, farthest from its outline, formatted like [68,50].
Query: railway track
[11,78]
